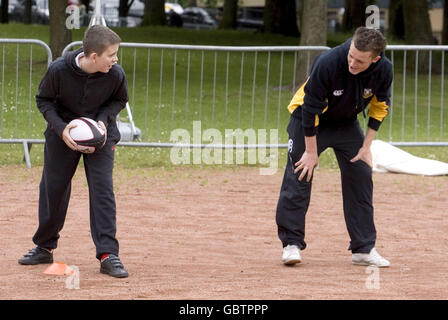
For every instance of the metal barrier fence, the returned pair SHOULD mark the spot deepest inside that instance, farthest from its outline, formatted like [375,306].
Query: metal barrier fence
[21,67]
[177,86]
[417,115]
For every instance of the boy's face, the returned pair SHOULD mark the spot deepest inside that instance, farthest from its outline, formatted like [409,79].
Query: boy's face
[107,59]
[359,61]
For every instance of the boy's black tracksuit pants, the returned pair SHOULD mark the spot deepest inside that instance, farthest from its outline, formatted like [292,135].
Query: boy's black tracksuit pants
[60,163]
[357,186]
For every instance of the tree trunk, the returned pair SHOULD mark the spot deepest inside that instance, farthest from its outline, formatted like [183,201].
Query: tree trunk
[289,22]
[280,16]
[123,8]
[4,18]
[60,35]
[269,15]
[154,13]
[229,14]
[445,23]
[396,21]
[27,14]
[313,33]
[354,14]
[299,17]
[416,22]
[417,30]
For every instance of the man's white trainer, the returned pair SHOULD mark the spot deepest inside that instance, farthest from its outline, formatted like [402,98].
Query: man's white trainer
[291,255]
[370,259]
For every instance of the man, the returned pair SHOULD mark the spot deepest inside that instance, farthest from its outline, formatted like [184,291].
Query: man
[342,83]
[83,83]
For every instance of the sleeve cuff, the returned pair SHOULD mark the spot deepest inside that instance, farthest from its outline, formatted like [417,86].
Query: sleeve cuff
[103,117]
[374,124]
[309,132]
[308,123]
[59,128]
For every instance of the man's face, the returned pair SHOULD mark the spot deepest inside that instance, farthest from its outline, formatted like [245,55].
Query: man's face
[107,59]
[359,61]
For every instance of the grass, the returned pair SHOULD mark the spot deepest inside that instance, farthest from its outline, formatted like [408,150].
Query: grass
[202,86]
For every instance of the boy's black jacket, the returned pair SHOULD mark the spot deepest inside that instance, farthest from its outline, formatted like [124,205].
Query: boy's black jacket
[332,85]
[66,92]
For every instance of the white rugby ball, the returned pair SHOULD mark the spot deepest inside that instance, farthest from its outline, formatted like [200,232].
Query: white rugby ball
[87,134]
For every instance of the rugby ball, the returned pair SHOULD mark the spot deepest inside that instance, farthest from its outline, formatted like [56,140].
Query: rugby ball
[87,134]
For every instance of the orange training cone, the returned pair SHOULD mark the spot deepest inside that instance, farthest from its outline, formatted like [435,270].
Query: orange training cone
[59,269]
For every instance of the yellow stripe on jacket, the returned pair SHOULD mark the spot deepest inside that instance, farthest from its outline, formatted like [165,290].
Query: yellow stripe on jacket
[378,109]
[298,99]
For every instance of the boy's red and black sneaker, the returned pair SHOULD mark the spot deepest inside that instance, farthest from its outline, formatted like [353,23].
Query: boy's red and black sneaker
[37,255]
[111,265]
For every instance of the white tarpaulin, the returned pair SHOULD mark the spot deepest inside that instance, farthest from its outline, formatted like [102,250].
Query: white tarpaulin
[387,158]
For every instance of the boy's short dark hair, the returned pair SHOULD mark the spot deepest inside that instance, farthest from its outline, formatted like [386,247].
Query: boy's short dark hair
[97,38]
[368,39]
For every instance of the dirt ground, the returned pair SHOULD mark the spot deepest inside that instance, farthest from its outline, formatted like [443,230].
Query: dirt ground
[207,233]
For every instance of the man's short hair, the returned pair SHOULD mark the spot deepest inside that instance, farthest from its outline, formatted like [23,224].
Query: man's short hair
[368,39]
[97,38]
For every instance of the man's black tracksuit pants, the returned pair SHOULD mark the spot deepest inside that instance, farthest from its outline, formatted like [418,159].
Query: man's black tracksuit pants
[357,186]
[60,163]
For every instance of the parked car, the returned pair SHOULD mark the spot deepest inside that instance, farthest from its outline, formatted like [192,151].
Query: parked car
[40,13]
[135,13]
[177,8]
[109,10]
[215,14]
[197,18]
[173,12]
[250,19]
[250,24]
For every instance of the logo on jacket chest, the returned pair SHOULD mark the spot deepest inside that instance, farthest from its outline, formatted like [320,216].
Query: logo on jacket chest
[367,93]
[338,93]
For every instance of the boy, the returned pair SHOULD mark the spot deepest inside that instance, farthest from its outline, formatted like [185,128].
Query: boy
[83,83]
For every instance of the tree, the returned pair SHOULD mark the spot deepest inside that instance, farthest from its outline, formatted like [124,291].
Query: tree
[124,6]
[154,13]
[60,35]
[314,23]
[229,14]
[4,11]
[445,23]
[417,31]
[280,17]
[313,28]
[416,22]
[123,10]
[27,13]
[354,14]
[396,20]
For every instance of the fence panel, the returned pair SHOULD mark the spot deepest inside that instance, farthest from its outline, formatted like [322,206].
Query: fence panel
[417,115]
[22,64]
